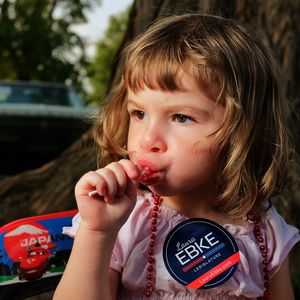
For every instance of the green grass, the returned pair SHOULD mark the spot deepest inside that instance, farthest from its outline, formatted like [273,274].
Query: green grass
[4,278]
[57,269]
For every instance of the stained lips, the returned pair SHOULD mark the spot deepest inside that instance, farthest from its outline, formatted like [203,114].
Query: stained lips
[148,175]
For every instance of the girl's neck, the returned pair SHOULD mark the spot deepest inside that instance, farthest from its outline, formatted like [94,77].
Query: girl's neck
[190,206]
[199,207]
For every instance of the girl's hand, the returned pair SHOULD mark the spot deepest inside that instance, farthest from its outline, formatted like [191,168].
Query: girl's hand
[116,188]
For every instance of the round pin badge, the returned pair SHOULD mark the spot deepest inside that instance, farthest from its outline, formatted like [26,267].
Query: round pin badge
[200,253]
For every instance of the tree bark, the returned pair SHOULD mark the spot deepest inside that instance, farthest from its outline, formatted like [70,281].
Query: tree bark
[50,188]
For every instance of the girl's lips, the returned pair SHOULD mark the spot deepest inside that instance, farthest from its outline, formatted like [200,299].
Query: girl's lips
[143,163]
[149,179]
[149,174]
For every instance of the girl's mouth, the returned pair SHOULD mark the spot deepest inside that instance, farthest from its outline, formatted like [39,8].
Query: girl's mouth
[149,175]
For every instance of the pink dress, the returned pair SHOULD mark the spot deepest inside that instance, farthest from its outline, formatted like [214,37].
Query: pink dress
[130,255]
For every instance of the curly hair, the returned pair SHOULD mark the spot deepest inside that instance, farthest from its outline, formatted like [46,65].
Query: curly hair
[227,57]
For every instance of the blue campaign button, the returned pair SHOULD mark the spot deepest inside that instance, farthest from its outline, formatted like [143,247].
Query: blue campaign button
[200,253]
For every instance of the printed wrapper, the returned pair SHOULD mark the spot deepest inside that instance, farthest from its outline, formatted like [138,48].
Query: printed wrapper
[34,248]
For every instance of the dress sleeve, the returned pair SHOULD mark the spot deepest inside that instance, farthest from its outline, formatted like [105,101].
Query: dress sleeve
[120,251]
[281,237]
[71,230]
[131,234]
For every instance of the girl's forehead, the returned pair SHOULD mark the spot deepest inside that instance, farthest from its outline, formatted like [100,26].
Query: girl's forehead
[137,80]
[182,82]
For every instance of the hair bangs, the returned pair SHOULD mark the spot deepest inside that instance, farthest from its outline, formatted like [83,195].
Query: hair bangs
[154,68]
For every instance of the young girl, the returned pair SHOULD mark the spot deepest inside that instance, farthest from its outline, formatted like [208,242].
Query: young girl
[195,129]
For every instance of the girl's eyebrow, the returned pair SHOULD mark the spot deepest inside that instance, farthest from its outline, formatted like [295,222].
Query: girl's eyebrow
[176,107]
[193,109]
[132,102]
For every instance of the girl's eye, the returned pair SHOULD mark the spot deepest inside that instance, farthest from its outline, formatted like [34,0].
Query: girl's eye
[182,119]
[138,114]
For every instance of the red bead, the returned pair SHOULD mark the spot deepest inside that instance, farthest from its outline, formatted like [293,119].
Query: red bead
[153,228]
[251,216]
[150,252]
[262,247]
[266,293]
[156,202]
[149,276]
[256,228]
[149,285]
[257,233]
[156,197]
[148,294]
[266,277]
[154,214]
[266,284]
[266,270]
[260,239]
[263,251]
[265,262]
[264,254]
[154,222]
[152,236]
[155,208]
[151,260]
[151,244]
[150,268]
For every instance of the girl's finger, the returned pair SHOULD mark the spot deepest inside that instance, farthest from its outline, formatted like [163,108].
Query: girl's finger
[121,176]
[111,183]
[130,169]
[88,182]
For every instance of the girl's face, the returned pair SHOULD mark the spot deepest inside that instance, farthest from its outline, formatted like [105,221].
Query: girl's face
[169,134]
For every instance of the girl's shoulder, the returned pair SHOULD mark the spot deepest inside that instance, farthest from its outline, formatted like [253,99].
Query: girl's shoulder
[278,232]
[279,236]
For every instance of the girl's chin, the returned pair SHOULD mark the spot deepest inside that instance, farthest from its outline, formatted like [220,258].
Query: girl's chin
[160,190]
[149,181]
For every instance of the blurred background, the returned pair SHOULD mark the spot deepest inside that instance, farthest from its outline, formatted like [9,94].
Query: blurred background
[59,59]
[55,59]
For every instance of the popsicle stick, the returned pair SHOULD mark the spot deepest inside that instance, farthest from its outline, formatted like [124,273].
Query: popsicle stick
[93,193]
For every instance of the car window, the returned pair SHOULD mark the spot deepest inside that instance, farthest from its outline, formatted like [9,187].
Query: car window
[35,95]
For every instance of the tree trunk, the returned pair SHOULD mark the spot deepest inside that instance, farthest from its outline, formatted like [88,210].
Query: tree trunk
[50,188]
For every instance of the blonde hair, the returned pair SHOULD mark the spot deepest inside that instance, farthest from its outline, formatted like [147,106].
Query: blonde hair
[225,55]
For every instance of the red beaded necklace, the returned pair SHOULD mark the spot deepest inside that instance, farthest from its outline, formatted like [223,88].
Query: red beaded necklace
[251,216]
[151,260]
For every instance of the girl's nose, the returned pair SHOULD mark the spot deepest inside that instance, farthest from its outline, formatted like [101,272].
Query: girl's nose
[153,140]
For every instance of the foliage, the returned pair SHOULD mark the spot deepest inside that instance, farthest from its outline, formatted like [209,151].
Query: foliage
[99,71]
[37,41]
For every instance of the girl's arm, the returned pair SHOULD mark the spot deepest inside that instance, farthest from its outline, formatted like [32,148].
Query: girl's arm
[114,279]
[88,275]
[280,283]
